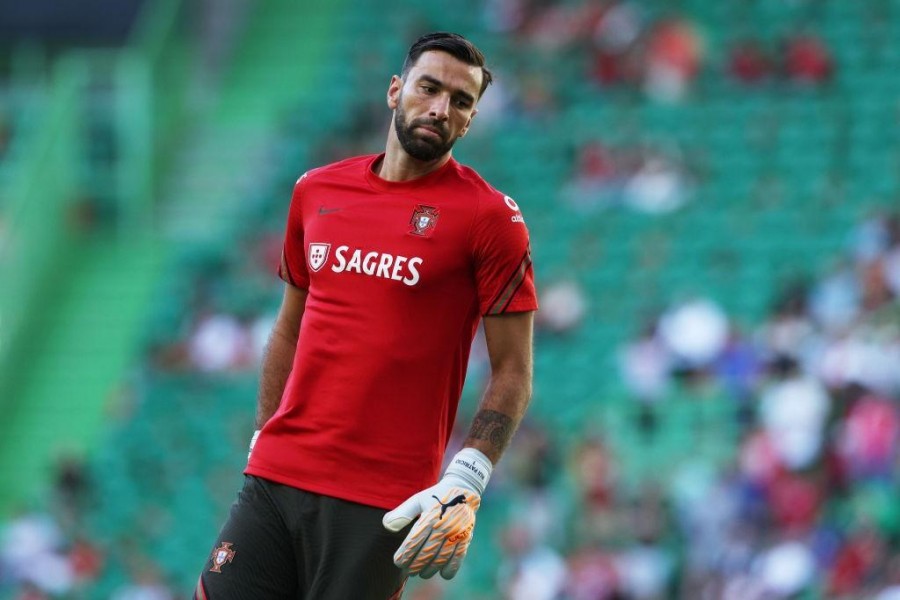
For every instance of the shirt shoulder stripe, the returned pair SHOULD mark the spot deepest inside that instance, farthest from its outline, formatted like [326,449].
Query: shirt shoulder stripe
[502,300]
[284,272]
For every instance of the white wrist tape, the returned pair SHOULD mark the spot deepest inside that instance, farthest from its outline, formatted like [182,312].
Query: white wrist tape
[473,467]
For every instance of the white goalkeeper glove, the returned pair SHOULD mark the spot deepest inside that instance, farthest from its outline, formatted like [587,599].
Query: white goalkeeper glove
[438,542]
[252,443]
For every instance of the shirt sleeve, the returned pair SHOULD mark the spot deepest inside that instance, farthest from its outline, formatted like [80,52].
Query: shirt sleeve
[502,251]
[293,268]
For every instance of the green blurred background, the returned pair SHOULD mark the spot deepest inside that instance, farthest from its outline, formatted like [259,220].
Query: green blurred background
[732,159]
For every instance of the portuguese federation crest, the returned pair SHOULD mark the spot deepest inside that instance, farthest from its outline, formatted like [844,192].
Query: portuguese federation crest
[318,254]
[222,555]
[424,219]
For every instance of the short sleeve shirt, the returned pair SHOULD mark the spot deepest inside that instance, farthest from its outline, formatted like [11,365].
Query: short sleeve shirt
[398,275]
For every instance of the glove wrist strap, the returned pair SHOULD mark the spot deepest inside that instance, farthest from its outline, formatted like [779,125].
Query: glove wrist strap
[473,467]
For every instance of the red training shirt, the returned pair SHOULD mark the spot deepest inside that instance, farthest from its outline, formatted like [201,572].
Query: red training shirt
[398,275]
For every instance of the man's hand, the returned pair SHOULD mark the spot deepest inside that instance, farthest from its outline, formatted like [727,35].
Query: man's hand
[438,542]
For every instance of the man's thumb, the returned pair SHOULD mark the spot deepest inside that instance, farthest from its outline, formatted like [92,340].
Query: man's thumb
[403,515]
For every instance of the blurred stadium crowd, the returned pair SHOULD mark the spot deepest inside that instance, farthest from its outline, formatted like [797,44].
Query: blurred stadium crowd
[718,447]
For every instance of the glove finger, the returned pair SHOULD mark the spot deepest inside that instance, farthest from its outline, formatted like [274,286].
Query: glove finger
[455,561]
[403,515]
[412,546]
[447,554]
[429,560]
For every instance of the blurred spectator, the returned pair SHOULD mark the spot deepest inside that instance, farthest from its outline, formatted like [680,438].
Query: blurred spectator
[870,238]
[219,342]
[592,575]
[646,179]
[554,26]
[739,364]
[505,16]
[645,364]
[657,187]
[856,562]
[645,570]
[32,552]
[749,63]
[789,331]
[868,438]
[807,60]
[786,569]
[595,181]
[147,584]
[866,354]
[563,307]
[86,560]
[596,519]
[695,331]
[530,570]
[795,502]
[794,409]
[835,299]
[646,565]
[615,42]
[673,57]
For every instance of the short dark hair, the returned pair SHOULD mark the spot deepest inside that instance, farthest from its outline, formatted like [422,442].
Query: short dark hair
[454,45]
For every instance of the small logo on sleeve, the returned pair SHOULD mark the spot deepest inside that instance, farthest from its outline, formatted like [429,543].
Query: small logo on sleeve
[513,206]
[221,556]
[318,254]
[424,219]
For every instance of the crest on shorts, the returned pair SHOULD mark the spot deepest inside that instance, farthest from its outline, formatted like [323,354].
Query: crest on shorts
[424,219]
[221,556]
[318,254]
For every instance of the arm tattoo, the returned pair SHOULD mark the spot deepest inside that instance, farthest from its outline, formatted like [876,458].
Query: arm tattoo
[493,427]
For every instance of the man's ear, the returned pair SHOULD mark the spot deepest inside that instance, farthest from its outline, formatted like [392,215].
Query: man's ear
[393,93]
[465,129]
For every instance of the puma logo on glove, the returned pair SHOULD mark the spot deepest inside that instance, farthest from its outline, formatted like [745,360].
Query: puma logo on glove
[461,499]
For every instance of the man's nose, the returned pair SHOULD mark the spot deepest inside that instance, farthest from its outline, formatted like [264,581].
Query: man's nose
[440,107]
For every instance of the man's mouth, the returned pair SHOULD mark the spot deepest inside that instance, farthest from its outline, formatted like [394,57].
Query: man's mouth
[431,130]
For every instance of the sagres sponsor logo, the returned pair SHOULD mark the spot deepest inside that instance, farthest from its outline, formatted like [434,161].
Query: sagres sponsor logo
[318,254]
[377,264]
[221,556]
[424,219]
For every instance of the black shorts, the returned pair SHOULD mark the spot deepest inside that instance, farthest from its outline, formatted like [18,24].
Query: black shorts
[283,543]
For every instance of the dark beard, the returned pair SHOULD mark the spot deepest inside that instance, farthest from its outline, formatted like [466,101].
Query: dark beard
[424,149]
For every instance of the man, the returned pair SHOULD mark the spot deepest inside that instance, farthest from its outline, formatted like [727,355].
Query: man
[389,261]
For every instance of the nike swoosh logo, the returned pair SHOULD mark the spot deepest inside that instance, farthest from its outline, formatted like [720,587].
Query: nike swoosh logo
[325,211]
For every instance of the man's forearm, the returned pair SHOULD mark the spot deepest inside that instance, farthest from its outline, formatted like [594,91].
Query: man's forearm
[274,372]
[501,410]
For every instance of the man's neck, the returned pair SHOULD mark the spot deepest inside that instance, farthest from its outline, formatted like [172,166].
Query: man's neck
[397,165]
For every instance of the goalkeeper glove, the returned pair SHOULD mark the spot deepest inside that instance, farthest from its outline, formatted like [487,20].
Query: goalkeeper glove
[440,539]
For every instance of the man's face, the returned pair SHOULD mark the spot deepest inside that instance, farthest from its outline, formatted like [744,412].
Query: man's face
[434,104]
